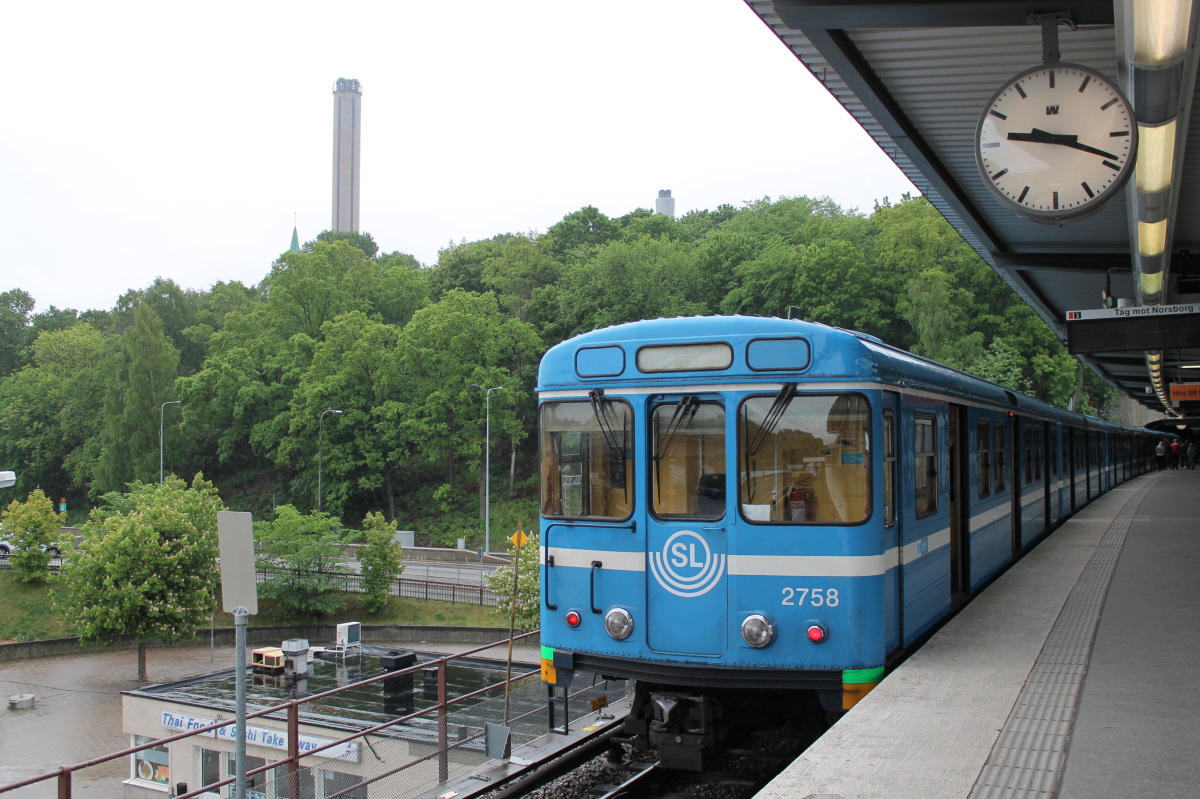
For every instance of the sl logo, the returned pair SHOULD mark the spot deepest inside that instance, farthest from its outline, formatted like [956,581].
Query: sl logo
[686,566]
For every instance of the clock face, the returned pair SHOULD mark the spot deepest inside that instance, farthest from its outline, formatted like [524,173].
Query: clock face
[1056,142]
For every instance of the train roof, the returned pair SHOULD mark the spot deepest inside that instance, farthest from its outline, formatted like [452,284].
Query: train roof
[608,357]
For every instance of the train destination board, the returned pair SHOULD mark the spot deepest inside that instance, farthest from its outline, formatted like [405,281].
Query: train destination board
[1132,328]
[1185,392]
[1133,312]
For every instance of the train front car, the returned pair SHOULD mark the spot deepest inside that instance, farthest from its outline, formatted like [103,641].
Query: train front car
[714,522]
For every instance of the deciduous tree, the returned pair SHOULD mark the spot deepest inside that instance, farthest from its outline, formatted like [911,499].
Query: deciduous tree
[147,566]
[32,528]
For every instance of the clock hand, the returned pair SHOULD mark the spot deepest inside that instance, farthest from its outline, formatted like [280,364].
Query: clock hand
[1039,136]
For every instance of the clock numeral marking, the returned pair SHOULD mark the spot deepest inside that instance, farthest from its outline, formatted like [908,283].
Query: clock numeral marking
[1112,166]
[990,144]
[1000,174]
[997,114]
[1108,105]
[1083,85]
[1020,91]
[1116,133]
[1051,74]
[1087,189]
[1055,201]
[1024,191]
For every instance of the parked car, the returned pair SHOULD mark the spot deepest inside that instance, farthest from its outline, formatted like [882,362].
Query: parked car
[7,546]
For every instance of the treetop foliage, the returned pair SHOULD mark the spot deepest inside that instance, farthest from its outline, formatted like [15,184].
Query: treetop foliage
[396,346]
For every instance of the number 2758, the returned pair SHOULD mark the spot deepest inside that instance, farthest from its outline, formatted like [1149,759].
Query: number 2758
[816,597]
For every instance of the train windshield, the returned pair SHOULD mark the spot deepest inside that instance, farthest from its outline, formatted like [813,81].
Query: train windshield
[804,458]
[587,459]
[689,460]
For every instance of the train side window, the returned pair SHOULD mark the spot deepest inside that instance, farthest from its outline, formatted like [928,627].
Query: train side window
[688,460]
[1001,463]
[889,468]
[587,459]
[804,458]
[1027,456]
[1039,439]
[925,465]
[983,439]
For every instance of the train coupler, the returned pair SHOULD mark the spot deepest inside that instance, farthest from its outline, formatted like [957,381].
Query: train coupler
[684,729]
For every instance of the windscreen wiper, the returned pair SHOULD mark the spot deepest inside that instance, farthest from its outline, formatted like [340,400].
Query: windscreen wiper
[767,427]
[782,400]
[616,446]
[684,411]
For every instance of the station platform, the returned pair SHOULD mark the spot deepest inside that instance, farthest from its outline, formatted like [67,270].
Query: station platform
[1076,674]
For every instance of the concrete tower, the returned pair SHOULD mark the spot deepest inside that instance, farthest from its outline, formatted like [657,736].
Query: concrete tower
[347,146]
[665,204]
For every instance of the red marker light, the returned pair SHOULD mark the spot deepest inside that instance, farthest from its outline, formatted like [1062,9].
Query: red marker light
[573,618]
[816,633]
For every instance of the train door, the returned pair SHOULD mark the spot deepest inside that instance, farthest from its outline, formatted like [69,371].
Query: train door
[891,519]
[686,545]
[960,527]
[1015,437]
[1069,464]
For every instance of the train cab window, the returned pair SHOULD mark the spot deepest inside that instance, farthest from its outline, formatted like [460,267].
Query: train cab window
[1001,461]
[688,465]
[924,466]
[804,458]
[587,459]
[889,468]
[983,440]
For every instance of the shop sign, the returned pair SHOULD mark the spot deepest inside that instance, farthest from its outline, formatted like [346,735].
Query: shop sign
[260,736]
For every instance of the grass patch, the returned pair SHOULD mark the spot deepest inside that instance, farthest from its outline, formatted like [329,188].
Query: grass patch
[26,613]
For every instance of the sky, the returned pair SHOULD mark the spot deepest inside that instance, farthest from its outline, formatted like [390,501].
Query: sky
[186,140]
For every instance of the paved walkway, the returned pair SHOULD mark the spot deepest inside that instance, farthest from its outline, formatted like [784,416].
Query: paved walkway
[1071,677]
[77,715]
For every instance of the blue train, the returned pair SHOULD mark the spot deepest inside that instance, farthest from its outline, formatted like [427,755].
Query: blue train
[749,516]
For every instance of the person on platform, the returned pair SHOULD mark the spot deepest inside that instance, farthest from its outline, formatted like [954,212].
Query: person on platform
[1193,455]
[1160,454]
[1176,454]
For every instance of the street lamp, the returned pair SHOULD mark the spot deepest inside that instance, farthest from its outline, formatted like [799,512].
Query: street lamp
[487,463]
[320,423]
[161,411]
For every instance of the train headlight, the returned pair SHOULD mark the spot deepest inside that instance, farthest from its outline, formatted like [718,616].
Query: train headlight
[618,623]
[757,631]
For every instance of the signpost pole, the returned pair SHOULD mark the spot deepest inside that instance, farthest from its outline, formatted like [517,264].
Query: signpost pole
[240,616]
[239,596]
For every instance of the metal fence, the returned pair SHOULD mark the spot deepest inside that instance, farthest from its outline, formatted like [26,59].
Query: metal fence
[437,591]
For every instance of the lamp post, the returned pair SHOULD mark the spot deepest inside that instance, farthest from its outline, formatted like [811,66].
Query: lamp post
[162,410]
[320,424]
[487,465]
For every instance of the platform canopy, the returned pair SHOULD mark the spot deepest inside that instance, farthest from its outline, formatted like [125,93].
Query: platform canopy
[917,77]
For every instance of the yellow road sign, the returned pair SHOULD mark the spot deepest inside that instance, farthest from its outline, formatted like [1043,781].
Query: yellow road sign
[518,538]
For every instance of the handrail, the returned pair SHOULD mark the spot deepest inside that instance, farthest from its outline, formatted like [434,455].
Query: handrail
[63,774]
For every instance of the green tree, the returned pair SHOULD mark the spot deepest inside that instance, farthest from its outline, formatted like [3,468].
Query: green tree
[146,367]
[525,601]
[147,566]
[16,310]
[49,417]
[300,553]
[380,560]
[934,308]
[32,528]
[579,233]
[360,241]
[1002,363]
[354,369]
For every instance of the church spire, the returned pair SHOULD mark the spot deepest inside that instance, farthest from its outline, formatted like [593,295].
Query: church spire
[295,239]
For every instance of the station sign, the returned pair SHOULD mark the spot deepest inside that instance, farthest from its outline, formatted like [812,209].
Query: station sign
[1185,392]
[1133,312]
